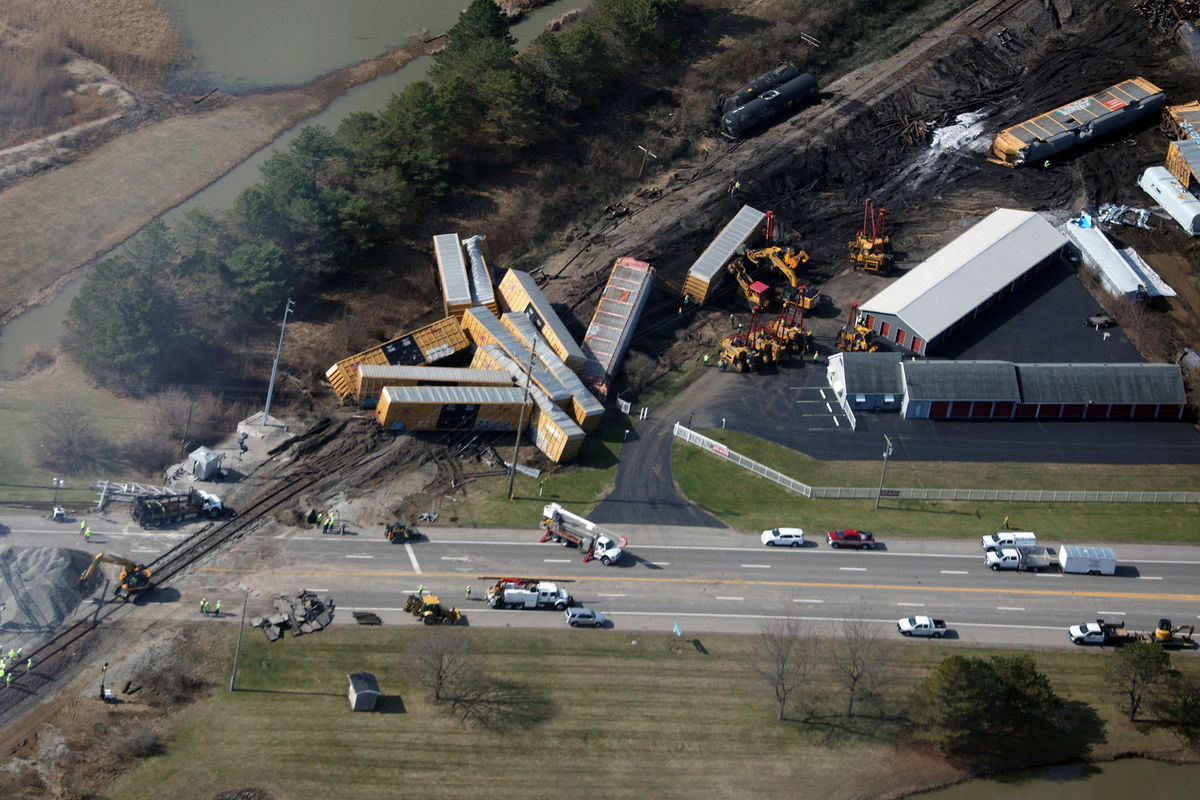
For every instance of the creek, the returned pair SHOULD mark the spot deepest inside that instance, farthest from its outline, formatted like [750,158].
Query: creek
[1113,780]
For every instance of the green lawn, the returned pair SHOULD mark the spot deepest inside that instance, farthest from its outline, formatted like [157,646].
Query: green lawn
[630,717]
[748,502]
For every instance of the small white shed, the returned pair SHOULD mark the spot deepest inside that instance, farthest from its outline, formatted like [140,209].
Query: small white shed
[364,691]
[203,463]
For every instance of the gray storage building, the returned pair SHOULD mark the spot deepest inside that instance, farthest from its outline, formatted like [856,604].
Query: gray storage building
[364,691]
[866,381]
[955,284]
[959,389]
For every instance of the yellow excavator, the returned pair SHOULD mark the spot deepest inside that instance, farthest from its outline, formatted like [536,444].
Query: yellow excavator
[856,337]
[757,293]
[134,578]
[788,262]
[429,609]
[871,251]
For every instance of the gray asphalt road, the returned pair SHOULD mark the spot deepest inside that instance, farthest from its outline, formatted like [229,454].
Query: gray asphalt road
[712,581]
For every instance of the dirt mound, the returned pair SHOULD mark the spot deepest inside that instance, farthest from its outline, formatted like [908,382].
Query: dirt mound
[39,588]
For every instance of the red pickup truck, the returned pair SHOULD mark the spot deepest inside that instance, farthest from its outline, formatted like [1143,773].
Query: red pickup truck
[850,538]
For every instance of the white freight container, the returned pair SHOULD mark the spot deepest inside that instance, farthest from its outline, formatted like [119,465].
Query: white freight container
[1086,559]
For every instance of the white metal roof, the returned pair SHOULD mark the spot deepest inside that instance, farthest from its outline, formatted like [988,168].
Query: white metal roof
[546,311]
[721,249]
[452,269]
[952,282]
[1123,272]
[436,374]
[457,395]
[482,291]
[1176,200]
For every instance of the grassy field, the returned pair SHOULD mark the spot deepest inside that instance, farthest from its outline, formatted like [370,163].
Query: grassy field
[578,486]
[630,717]
[747,502]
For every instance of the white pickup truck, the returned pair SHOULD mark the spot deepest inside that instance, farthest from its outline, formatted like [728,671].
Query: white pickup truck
[1033,559]
[922,626]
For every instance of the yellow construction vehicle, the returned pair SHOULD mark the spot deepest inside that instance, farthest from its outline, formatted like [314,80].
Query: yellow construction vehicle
[429,609]
[872,250]
[134,578]
[757,293]
[856,337]
[788,262]
[738,353]
[398,533]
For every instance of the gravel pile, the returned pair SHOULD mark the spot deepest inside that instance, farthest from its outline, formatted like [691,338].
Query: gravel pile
[39,588]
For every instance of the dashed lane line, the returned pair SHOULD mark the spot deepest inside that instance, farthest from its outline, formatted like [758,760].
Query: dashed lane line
[914,605]
[1008,608]
[756,566]
[806,600]
[720,597]
[853,569]
[953,571]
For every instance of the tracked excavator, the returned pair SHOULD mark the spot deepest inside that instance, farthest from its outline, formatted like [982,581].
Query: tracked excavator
[788,262]
[856,337]
[133,579]
[757,293]
[871,251]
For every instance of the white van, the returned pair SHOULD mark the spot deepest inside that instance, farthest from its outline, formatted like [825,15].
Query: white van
[1021,540]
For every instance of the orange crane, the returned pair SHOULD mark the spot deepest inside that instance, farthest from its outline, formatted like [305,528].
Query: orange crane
[872,250]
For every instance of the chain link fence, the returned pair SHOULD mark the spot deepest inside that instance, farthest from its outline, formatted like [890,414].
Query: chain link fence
[985,495]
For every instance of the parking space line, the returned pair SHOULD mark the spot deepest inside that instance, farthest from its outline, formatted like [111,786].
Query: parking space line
[835,422]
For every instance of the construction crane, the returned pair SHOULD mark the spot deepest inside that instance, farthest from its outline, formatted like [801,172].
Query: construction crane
[872,250]
[757,293]
[788,262]
[134,578]
[856,337]
[787,329]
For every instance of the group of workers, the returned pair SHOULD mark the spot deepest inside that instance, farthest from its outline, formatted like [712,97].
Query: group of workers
[326,521]
[209,609]
[85,530]
[9,663]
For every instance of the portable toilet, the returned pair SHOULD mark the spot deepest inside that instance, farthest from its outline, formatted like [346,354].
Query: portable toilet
[203,463]
[364,691]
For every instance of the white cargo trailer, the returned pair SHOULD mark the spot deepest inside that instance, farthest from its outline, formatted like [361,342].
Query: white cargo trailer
[1087,559]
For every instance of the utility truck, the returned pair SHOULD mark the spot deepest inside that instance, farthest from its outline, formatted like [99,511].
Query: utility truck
[922,626]
[151,511]
[1017,539]
[1087,559]
[1107,633]
[1032,559]
[560,525]
[527,593]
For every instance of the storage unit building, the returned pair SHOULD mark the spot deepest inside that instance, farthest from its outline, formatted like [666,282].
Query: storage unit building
[371,378]
[519,292]
[440,408]
[1173,196]
[1100,391]
[959,389]
[1122,273]
[608,336]
[452,274]
[866,381]
[483,293]
[1039,138]
[426,345]
[706,272]
[364,691]
[955,284]
[203,463]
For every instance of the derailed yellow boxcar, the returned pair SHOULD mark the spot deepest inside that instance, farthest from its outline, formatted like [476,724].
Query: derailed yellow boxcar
[519,292]
[370,379]
[426,345]
[440,408]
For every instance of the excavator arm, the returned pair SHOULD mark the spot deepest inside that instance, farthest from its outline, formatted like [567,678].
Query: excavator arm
[133,578]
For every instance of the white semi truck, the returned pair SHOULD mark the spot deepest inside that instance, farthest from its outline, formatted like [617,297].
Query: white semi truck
[560,525]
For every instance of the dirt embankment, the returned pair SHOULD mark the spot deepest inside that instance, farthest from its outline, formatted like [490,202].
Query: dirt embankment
[58,222]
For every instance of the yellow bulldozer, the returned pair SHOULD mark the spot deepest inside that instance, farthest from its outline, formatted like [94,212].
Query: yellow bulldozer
[133,578]
[429,609]
[871,250]
[856,337]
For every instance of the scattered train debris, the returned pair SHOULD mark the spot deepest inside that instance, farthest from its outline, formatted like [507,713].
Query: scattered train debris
[299,614]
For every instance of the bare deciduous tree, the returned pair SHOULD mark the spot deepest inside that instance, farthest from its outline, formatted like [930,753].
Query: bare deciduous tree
[189,417]
[858,656]
[446,662]
[65,438]
[786,651]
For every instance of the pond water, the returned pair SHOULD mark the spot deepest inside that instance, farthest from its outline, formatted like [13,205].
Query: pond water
[42,326]
[1127,778]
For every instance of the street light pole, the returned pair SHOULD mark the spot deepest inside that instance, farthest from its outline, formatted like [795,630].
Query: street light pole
[887,451]
[512,469]
[58,484]
[287,309]
[645,154]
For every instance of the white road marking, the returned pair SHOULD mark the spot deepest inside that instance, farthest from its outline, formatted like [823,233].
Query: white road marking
[835,422]
[413,558]
[454,558]
[1048,574]
[1112,613]
[1008,608]
[1148,578]
[719,597]
[829,408]
[756,566]
[822,391]
[954,572]
[359,556]
[557,560]
[890,622]
[853,569]
[915,605]
[806,600]
[282,535]
[610,595]
[668,563]
[143,550]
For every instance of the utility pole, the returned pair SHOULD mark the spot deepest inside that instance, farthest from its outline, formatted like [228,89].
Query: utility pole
[512,468]
[645,154]
[287,309]
[58,484]
[237,651]
[887,451]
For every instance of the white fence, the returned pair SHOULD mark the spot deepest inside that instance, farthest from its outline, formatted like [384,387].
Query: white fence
[986,495]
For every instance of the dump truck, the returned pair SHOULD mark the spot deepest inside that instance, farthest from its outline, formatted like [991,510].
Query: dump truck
[1031,559]
[560,525]
[1107,633]
[527,593]
[151,511]
[133,578]
[429,609]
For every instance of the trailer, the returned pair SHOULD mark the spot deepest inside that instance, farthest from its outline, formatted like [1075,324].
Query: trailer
[151,511]
[560,525]
[1088,560]
[1169,636]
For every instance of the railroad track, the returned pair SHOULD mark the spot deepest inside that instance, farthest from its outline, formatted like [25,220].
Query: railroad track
[55,658]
